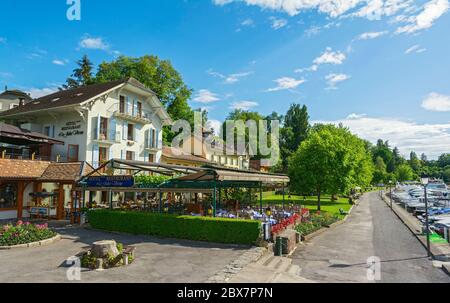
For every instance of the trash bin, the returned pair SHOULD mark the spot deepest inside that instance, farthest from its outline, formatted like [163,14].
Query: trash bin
[278,246]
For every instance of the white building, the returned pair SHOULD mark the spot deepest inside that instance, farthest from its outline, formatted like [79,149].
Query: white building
[121,119]
[10,99]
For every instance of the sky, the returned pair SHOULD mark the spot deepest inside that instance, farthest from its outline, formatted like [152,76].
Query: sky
[381,67]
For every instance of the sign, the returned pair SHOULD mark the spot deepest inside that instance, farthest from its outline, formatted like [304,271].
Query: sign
[111,181]
[72,128]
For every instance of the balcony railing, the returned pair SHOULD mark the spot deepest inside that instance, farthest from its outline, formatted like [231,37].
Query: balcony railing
[125,114]
[107,137]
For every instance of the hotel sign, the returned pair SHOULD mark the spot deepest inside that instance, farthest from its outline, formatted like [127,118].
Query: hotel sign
[72,128]
[111,181]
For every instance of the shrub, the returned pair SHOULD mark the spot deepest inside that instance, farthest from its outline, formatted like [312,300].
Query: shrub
[207,229]
[24,233]
[317,221]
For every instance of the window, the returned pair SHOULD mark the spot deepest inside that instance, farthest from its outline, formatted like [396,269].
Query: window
[11,106]
[103,128]
[72,154]
[130,135]
[130,155]
[139,107]
[8,195]
[102,155]
[154,139]
[122,105]
[151,158]
[47,131]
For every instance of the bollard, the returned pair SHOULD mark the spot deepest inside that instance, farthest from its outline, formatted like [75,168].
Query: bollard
[447,234]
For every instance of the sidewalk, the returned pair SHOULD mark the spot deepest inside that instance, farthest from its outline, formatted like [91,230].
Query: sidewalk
[440,251]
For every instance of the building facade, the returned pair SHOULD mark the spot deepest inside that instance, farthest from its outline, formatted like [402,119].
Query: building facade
[121,119]
[10,99]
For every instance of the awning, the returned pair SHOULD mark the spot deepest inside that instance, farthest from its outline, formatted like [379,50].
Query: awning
[11,134]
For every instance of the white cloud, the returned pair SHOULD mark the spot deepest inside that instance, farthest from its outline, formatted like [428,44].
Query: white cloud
[416,49]
[432,11]
[431,139]
[206,96]
[356,116]
[334,79]
[334,8]
[371,35]
[244,105]
[330,57]
[286,83]
[41,92]
[216,125]
[229,79]
[436,102]
[59,62]
[93,43]
[278,23]
[248,22]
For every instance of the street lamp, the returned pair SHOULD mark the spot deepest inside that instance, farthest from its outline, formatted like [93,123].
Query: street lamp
[390,192]
[424,180]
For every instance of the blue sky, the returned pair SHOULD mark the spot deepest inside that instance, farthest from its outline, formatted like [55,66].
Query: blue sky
[380,67]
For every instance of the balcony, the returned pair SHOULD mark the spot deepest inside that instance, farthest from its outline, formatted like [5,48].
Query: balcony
[152,148]
[107,138]
[134,117]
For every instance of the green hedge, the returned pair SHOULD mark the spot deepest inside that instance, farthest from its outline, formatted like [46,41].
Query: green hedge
[181,227]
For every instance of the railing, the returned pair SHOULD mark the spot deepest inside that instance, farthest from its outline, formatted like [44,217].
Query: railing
[125,114]
[30,156]
[112,137]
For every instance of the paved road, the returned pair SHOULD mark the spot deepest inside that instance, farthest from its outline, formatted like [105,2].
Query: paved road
[157,260]
[340,254]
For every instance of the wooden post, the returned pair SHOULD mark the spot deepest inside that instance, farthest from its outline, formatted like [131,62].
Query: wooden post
[60,206]
[20,189]
[33,156]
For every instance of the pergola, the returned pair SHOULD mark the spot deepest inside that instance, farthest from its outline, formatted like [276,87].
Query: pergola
[185,179]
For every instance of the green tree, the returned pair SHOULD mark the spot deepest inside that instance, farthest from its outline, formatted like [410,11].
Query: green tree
[404,173]
[331,160]
[81,76]
[379,175]
[414,162]
[294,132]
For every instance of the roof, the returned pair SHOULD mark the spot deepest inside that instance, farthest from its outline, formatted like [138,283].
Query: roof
[15,135]
[66,171]
[22,169]
[63,98]
[228,174]
[78,96]
[16,92]
[43,170]
[179,154]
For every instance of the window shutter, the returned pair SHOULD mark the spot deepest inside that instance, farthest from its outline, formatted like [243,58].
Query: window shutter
[112,129]
[135,108]
[125,130]
[53,131]
[121,155]
[97,132]
[137,133]
[157,138]
[146,138]
[95,155]
[111,154]
[129,106]
[151,138]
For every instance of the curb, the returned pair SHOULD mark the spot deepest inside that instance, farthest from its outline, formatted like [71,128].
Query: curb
[33,244]
[419,237]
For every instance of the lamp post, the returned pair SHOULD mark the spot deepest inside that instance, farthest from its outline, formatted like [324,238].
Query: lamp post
[390,192]
[424,180]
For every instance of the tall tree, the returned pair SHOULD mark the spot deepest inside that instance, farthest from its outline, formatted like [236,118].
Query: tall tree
[331,160]
[81,76]
[294,132]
